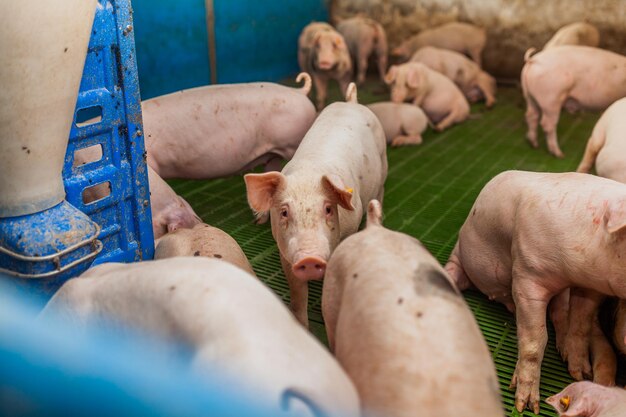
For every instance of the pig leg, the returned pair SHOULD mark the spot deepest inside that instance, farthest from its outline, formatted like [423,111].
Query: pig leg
[531,303]
[361,65]
[549,120]
[584,306]
[594,145]
[321,85]
[559,314]
[532,120]
[331,303]
[603,357]
[485,88]
[381,53]
[455,269]
[402,140]
[454,116]
[298,292]
[343,84]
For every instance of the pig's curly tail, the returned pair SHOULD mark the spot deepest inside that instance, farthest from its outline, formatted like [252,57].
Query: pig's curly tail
[528,53]
[306,88]
[351,94]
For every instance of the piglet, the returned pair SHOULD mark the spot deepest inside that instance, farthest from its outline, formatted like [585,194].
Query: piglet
[319,196]
[403,123]
[436,94]
[577,33]
[531,235]
[323,53]
[202,240]
[365,37]
[402,331]
[607,145]
[234,327]
[221,130]
[574,77]
[467,75]
[586,399]
[461,37]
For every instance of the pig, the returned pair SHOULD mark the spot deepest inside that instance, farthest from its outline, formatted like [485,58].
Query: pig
[318,197]
[579,336]
[531,235]
[255,343]
[221,130]
[613,317]
[202,240]
[403,123]
[607,145]
[437,95]
[170,211]
[466,74]
[578,33]
[574,77]
[323,53]
[461,37]
[401,330]
[365,36]
[586,399]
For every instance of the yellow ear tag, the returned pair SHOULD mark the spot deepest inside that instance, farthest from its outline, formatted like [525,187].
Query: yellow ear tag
[350,190]
[565,402]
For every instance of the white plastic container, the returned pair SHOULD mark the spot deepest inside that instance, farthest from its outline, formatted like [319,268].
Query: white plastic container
[43,45]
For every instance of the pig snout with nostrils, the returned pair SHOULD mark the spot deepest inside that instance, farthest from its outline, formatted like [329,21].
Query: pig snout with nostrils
[221,130]
[402,331]
[437,95]
[318,197]
[586,399]
[323,53]
[531,235]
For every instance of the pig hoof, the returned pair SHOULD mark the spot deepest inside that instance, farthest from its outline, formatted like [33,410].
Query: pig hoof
[558,154]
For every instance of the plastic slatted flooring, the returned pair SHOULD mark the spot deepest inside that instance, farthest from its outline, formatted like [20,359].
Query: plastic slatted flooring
[428,194]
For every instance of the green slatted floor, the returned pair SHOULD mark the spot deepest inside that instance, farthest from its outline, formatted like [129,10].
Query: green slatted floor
[428,193]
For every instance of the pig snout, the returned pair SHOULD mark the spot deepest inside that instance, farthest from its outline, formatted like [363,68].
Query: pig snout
[326,63]
[309,268]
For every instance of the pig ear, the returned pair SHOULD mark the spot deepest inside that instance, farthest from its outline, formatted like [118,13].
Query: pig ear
[262,188]
[615,219]
[391,74]
[338,41]
[338,191]
[414,77]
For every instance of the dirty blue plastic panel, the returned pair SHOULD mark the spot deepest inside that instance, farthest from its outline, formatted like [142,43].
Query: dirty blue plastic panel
[109,92]
[172,45]
[258,40]
[49,370]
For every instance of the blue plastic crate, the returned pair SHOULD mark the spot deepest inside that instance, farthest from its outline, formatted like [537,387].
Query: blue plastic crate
[110,90]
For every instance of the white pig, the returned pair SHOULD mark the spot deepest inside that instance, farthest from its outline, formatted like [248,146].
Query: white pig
[531,235]
[606,147]
[323,53]
[403,123]
[402,331]
[436,94]
[586,399]
[574,77]
[461,37]
[578,33]
[202,240]
[466,74]
[365,36]
[231,322]
[319,196]
[220,130]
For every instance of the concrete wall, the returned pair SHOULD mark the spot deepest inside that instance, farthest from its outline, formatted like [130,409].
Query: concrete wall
[512,25]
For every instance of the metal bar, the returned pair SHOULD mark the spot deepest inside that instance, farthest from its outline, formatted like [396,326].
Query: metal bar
[210,27]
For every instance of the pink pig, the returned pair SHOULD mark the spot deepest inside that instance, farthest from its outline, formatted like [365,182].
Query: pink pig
[403,123]
[461,37]
[578,33]
[466,74]
[437,95]
[531,235]
[221,130]
[574,77]
[319,196]
[364,37]
[323,53]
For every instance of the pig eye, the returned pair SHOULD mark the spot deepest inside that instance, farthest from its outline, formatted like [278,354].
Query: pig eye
[284,213]
[329,210]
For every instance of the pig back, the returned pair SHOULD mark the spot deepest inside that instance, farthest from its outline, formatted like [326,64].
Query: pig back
[347,140]
[416,335]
